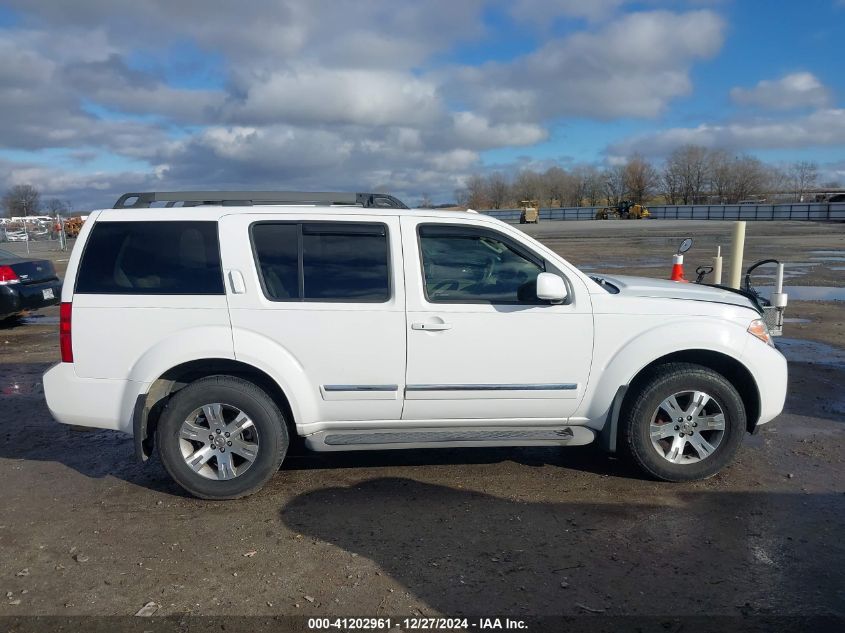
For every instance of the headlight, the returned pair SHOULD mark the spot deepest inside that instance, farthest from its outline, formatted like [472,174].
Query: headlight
[758,329]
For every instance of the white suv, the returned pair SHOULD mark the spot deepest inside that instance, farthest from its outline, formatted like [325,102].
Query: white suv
[217,330]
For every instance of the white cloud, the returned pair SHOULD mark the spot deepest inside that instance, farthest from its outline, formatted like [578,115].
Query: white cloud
[476,131]
[632,67]
[821,128]
[319,94]
[541,12]
[796,90]
[329,96]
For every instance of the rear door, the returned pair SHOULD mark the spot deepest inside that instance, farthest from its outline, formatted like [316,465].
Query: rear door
[326,297]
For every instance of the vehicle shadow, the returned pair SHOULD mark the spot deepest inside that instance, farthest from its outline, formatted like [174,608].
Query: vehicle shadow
[464,552]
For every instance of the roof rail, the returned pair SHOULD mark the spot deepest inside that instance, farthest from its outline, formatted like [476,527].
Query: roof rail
[144,200]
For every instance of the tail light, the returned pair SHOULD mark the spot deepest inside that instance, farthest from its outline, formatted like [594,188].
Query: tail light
[65,340]
[8,276]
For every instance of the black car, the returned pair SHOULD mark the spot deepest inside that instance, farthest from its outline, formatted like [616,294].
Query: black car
[27,284]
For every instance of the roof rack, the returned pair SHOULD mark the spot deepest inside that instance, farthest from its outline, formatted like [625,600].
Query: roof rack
[144,200]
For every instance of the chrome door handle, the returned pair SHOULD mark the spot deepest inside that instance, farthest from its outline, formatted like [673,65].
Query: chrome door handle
[431,327]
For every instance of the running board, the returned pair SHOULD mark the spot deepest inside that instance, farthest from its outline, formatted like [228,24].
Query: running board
[369,439]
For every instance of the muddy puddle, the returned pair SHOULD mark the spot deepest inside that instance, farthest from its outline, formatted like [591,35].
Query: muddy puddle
[39,319]
[803,351]
[22,380]
[808,293]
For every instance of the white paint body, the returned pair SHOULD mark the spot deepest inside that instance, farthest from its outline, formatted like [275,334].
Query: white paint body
[585,348]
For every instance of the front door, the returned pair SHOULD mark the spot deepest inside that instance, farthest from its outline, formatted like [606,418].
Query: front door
[480,343]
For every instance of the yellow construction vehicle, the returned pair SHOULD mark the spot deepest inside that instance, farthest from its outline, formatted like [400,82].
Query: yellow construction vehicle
[73,225]
[626,210]
[530,212]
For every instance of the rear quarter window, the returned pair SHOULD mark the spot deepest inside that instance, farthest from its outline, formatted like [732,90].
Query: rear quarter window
[152,258]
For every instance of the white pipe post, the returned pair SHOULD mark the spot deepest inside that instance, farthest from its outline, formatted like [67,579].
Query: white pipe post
[779,298]
[737,249]
[717,266]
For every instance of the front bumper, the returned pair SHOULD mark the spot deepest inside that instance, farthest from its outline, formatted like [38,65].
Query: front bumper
[15,298]
[769,368]
[96,402]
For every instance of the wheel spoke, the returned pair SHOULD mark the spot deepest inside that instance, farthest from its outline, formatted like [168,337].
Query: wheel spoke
[701,446]
[192,431]
[239,425]
[697,403]
[676,451]
[247,450]
[662,431]
[230,437]
[225,467]
[214,415]
[199,457]
[712,422]
[671,406]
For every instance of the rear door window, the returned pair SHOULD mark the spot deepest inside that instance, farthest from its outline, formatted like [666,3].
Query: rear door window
[323,261]
[152,258]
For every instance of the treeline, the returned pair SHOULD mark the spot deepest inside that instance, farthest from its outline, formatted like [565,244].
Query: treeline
[23,200]
[690,175]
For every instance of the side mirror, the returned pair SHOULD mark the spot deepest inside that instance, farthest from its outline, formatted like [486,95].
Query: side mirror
[551,288]
[685,246]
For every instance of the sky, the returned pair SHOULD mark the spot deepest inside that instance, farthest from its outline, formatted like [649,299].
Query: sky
[102,97]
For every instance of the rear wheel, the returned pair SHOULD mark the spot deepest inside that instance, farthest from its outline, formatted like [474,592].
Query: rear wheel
[221,437]
[685,422]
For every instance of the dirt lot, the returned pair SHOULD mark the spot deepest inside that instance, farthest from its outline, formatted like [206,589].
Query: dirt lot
[86,530]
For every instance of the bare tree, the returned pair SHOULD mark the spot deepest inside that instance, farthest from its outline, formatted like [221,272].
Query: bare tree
[21,200]
[749,179]
[55,206]
[476,192]
[591,185]
[721,175]
[497,189]
[555,185]
[687,172]
[804,175]
[527,186]
[640,178]
[614,184]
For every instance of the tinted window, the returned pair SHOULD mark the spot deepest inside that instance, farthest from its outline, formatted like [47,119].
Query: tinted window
[323,261]
[464,264]
[276,253]
[151,258]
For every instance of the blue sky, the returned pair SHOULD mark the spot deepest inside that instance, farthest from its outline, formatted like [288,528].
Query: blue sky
[102,96]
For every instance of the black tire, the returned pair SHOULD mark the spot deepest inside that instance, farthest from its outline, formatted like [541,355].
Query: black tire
[254,402]
[641,405]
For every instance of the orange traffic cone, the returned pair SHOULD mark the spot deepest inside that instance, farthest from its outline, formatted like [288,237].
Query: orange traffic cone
[678,269]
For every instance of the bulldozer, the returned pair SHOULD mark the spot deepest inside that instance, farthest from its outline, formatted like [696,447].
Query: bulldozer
[73,225]
[530,212]
[625,210]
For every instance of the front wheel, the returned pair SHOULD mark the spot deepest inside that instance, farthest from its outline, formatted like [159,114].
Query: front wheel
[221,437]
[685,422]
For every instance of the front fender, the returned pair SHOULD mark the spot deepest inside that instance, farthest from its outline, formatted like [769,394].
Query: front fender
[618,358]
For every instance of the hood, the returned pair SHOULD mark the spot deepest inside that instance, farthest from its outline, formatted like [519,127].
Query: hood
[665,289]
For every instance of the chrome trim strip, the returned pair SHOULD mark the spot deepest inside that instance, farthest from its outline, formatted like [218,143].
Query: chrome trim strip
[361,387]
[496,387]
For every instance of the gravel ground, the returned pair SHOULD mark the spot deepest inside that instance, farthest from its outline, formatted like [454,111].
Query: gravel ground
[521,532]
